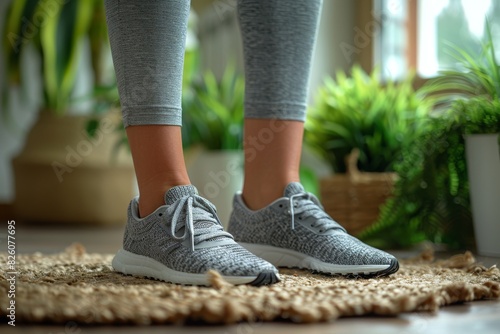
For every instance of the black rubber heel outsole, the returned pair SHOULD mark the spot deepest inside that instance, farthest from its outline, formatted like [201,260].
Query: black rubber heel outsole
[386,272]
[393,267]
[265,278]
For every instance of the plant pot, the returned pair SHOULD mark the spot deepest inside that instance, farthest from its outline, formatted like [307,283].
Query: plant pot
[218,175]
[483,165]
[62,176]
[354,198]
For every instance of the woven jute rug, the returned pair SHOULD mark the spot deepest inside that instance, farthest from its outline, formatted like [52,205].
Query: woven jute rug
[79,287]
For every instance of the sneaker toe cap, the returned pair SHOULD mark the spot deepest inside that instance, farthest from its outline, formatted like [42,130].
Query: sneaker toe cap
[228,260]
[350,251]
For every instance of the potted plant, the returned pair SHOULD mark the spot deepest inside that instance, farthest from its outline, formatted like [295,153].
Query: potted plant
[63,175]
[453,163]
[478,83]
[431,199]
[360,114]
[213,128]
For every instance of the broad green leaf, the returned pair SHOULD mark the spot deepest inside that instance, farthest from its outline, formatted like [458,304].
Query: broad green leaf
[19,30]
[48,33]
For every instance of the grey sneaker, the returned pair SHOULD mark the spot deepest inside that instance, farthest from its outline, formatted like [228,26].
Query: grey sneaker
[294,231]
[182,240]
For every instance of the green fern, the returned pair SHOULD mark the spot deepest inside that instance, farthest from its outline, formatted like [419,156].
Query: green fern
[431,198]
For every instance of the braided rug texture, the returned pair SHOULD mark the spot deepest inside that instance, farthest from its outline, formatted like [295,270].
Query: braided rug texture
[83,288]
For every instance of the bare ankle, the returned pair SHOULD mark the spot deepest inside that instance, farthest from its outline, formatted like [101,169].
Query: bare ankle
[151,198]
[258,197]
[255,202]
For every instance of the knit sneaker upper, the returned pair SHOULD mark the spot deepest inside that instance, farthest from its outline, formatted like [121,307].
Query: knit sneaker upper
[186,235]
[298,222]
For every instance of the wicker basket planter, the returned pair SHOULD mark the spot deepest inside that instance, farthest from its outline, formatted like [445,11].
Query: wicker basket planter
[354,199]
[62,176]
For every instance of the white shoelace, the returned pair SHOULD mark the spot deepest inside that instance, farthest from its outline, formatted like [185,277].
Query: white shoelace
[308,205]
[196,208]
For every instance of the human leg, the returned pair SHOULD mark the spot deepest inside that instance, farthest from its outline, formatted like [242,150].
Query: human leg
[274,217]
[172,233]
[278,41]
[272,158]
[148,53]
[158,167]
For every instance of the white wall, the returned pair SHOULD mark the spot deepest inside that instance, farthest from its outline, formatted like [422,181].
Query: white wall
[336,26]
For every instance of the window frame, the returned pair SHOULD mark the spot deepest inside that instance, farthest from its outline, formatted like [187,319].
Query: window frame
[366,56]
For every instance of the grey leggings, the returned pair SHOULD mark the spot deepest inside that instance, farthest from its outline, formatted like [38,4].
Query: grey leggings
[147,43]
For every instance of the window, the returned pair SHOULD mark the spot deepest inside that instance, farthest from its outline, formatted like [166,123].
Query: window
[419,34]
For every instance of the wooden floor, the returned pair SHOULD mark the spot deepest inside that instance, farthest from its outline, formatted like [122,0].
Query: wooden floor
[477,317]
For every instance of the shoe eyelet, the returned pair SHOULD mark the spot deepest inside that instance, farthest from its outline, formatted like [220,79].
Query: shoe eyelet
[320,231]
[281,205]
[300,217]
[160,214]
[312,225]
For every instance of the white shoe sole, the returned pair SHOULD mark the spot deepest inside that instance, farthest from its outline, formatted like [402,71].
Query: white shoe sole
[281,257]
[142,266]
